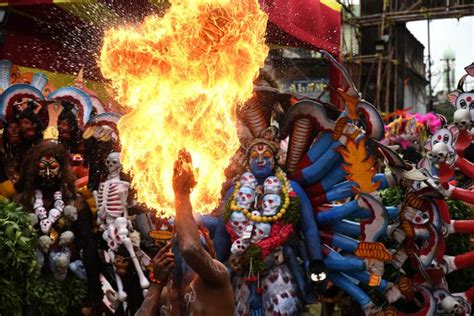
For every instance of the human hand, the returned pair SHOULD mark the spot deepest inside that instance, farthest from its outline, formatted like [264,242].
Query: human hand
[163,264]
[183,175]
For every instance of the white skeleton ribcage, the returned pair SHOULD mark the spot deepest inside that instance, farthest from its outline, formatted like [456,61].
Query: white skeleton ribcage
[112,198]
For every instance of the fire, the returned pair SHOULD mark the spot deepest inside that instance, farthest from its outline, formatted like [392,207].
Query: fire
[182,76]
[360,167]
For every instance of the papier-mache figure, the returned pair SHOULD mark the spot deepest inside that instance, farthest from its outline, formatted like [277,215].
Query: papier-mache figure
[63,219]
[112,202]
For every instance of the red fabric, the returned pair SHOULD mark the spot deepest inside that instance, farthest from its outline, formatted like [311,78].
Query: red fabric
[307,20]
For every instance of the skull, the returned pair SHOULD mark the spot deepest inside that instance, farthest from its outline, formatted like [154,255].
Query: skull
[239,246]
[45,225]
[454,305]
[113,163]
[66,238]
[272,185]
[245,197]
[54,215]
[238,221]
[462,119]
[58,195]
[59,204]
[38,203]
[44,242]
[439,152]
[70,212]
[271,202]
[41,212]
[248,180]
[261,231]
[59,263]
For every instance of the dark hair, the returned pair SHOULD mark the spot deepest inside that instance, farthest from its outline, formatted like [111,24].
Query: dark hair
[30,114]
[68,115]
[27,185]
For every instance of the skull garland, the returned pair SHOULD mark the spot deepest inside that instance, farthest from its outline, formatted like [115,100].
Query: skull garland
[47,219]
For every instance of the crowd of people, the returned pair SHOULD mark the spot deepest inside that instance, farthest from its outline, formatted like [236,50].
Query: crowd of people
[301,214]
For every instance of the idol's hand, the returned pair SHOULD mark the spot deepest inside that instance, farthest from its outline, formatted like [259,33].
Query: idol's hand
[183,177]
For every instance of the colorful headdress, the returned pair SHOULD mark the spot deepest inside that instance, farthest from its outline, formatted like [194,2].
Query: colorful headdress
[81,100]
[14,96]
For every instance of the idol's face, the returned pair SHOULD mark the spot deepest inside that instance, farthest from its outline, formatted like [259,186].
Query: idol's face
[261,161]
[48,170]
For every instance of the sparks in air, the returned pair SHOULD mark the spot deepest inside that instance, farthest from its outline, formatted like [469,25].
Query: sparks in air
[182,76]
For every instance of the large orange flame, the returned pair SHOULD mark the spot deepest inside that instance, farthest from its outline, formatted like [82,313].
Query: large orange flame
[182,75]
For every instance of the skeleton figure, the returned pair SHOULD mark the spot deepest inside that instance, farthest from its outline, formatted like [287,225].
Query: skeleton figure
[111,199]
[112,206]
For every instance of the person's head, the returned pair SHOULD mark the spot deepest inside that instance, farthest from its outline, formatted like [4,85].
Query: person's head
[261,158]
[46,167]
[31,128]
[11,133]
[68,130]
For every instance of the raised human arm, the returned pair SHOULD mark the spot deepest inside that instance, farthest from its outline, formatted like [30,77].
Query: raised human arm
[163,264]
[209,270]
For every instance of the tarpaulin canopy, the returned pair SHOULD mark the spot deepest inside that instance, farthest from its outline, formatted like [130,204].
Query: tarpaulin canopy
[66,35]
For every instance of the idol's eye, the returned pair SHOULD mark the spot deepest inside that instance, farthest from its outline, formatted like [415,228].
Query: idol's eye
[267,154]
[42,165]
[54,165]
[253,154]
[462,103]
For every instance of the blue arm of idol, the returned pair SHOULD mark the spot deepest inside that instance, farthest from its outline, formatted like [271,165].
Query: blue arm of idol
[221,238]
[335,262]
[308,224]
[364,277]
[346,227]
[343,282]
[344,242]
[319,147]
[337,213]
[392,211]
[341,191]
[323,165]
[298,274]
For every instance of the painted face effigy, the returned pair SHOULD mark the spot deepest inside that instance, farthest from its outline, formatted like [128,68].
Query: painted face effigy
[261,160]
[48,169]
